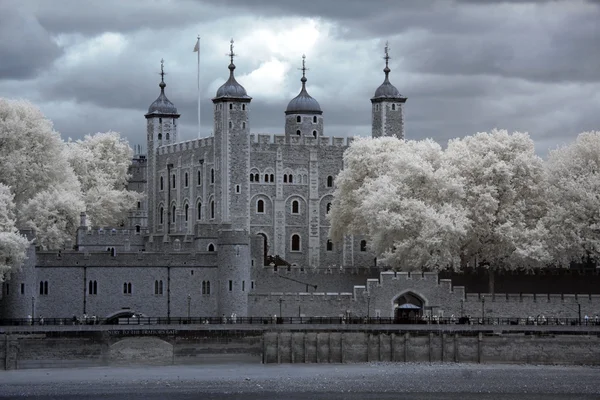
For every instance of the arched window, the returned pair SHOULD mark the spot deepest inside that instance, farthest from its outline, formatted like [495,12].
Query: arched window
[330,181]
[291,178]
[167,136]
[329,245]
[272,178]
[173,184]
[295,242]
[138,229]
[173,215]
[295,207]
[212,175]
[298,132]
[315,133]
[251,177]
[256,178]
[199,177]
[284,178]
[314,119]
[393,107]
[205,287]
[363,245]
[212,209]
[328,207]
[186,180]
[230,106]
[260,206]
[187,209]
[243,125]
[230,124]
[161,214]
[139,205]
[160,136]
[238,189]
[243,107]
[211,247]
[199,211]
[155,287]
[298,119]
[162,183]
[266,177]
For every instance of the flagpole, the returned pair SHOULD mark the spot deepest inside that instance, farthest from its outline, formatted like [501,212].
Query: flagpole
[198,83]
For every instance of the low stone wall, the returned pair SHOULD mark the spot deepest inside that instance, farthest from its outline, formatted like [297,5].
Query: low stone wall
[471,347]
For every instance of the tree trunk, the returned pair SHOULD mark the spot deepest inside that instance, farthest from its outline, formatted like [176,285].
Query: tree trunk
[491,280]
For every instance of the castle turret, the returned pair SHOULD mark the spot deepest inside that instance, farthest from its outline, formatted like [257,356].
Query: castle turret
[161,128]
[387,107]
[232,152]
[303,116]
[233,247]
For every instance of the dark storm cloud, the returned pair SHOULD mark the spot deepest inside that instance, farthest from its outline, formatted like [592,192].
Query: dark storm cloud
[25,46]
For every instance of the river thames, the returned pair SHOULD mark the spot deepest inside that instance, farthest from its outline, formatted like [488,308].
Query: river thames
[289,382]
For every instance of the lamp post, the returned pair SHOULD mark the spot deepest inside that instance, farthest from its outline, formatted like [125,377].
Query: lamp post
[483,309]
[368,306]
[32,308]
[189,301]
[579,312]
[280,303]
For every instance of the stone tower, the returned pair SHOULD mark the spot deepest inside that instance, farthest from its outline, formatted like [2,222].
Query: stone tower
[232,194]
[161,128]
[303,116]
[387,107]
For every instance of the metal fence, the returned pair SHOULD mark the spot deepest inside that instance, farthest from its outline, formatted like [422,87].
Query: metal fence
[233,320]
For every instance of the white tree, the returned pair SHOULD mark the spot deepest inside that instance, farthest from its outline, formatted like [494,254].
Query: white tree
[32,152]
[13,246]
[573,221]
[505,195]
[401,196]
[101,163]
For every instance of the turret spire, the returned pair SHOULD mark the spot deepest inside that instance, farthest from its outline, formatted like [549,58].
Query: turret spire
[162,83]
[303,69]
[231,55]
[387,60]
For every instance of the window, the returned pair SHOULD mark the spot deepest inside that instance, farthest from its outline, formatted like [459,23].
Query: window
[161,215]
[315,133]
[272,177]
[295,242]
[230,124]
[251,177]
[199,177]
[22,288]
[187,209]
[173,185]
[328,207]
[329,245]
[243,286]
[291,178]
[314,119]
[93,287]
[173,215]
[138,229]
[266,177]
[243,107]
[230,106]
[393,107]
[284,178]
[363,245]
[260,206]
[211,247]
[256,177]
[139,205]
[230,285]
[295,207]
[251,285]
[127,288]
[162,184]
[212,209]
[158,287]
[44,287]
[160,136]
[212,175]
[205,287]
[186,180]
[298,119]
[298,132]
[167,136]
[330,181]
[199,211]
[243,125]
[238,189]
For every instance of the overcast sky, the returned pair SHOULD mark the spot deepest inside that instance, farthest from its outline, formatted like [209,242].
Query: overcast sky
[466,66]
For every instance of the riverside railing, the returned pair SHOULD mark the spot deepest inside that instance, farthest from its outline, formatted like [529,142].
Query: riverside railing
[234,320]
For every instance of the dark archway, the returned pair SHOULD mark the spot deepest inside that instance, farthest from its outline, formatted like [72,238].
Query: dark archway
[265,248]
[408,308]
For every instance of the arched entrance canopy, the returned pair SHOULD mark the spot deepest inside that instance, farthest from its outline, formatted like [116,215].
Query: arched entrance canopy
[408,308]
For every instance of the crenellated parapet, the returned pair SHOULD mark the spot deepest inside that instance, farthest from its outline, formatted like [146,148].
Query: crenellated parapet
[187,145]
[122,260]
[322,141]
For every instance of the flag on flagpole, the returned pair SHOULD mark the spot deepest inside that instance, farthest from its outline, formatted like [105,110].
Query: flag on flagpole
[197,50]
[197,46]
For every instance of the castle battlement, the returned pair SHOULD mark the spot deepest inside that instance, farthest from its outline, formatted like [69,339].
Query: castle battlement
[126,259]
[186,145]
[322,141]
[113,231]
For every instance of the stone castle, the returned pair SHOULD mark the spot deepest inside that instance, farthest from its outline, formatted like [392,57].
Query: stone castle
[237,223]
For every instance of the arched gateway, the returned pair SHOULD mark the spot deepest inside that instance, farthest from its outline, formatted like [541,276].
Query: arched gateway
[408,308]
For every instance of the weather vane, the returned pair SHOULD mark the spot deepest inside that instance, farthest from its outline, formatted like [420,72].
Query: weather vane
[303,69]
[162,70]
[231,53]
[387,55]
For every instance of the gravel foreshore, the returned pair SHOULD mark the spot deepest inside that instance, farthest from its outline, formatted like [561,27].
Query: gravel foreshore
[331,381]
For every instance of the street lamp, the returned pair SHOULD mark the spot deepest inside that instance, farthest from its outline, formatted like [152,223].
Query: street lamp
[280,313]
[368,305]
[32,308]
[189,301]
[483,309]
